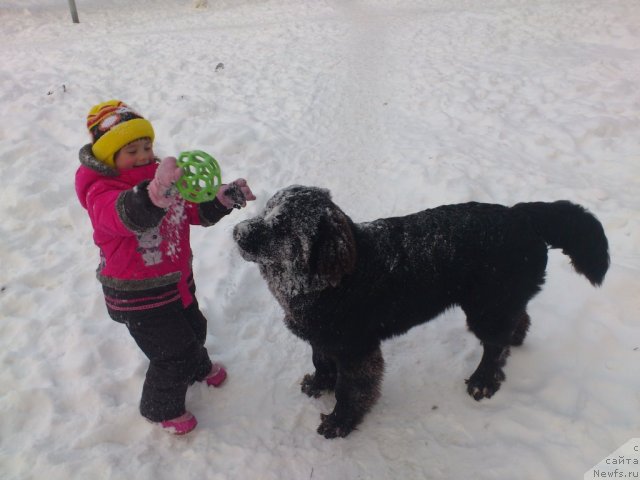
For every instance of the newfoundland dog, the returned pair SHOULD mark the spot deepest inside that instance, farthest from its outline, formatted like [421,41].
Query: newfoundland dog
[344,286]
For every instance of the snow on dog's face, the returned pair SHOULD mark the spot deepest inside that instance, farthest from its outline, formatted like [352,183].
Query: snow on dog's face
[302,241]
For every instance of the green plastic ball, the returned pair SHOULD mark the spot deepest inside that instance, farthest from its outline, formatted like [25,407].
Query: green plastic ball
[201,176]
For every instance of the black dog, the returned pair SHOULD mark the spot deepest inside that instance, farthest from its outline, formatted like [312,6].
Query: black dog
[344,287]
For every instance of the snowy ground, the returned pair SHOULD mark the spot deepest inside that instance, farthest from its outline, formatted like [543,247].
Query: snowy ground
[393,105]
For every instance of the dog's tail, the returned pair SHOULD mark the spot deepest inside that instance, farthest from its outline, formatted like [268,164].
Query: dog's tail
[576,231]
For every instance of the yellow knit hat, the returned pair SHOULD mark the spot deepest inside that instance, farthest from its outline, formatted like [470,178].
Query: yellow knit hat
[113,125]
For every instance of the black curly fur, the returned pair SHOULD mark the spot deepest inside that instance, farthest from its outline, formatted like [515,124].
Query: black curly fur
[345,287]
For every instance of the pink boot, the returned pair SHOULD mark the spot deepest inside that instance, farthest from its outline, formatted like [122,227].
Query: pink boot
[216,376]
[180,425]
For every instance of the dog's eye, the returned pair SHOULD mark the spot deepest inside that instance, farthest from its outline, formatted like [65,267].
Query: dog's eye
[276,224]
[278,227]
[272,219]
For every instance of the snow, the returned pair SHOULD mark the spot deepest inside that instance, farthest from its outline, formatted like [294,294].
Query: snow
[393,105]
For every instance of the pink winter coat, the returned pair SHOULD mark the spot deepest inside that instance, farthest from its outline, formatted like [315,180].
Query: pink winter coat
[141,246]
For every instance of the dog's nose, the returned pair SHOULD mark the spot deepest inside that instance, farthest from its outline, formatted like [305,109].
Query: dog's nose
[239,230]
[244,234]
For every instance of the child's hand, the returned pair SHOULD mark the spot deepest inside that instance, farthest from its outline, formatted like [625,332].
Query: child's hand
[161,191]
[236,194]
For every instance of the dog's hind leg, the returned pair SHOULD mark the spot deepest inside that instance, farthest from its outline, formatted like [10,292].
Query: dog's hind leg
[522,327]
[357,389]
[496,331]
[324,378]
[488,377]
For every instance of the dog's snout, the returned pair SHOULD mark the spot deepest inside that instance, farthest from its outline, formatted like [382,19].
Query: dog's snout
[250,237]
[240,230]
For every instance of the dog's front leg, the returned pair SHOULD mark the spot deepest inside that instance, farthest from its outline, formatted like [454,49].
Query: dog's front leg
[324,378]
[357,389]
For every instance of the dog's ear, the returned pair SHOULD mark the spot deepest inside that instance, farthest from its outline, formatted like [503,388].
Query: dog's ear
[333,254]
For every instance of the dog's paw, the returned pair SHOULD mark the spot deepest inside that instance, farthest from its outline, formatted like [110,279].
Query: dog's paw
[332,427]
[484,386]
[309,387]
[314,387]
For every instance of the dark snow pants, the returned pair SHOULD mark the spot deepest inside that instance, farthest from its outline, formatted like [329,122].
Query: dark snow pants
[174,343]
[172,337]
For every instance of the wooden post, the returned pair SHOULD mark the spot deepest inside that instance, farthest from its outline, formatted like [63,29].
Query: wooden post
[74,11]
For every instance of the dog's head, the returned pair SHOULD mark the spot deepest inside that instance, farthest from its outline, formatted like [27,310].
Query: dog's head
[301,235]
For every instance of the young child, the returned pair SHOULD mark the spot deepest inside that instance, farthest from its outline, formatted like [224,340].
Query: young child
[141,227]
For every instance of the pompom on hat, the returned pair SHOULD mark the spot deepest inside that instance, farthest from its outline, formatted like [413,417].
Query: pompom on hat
[113,125]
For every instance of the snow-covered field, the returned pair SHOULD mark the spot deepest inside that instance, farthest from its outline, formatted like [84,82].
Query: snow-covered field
[395,106]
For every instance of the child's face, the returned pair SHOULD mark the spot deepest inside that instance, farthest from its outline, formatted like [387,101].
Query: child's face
[135,154]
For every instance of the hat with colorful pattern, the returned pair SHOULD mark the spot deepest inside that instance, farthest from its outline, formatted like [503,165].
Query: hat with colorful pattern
[113,125]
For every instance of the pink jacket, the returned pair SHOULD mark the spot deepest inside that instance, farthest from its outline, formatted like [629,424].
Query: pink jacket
[141,246]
